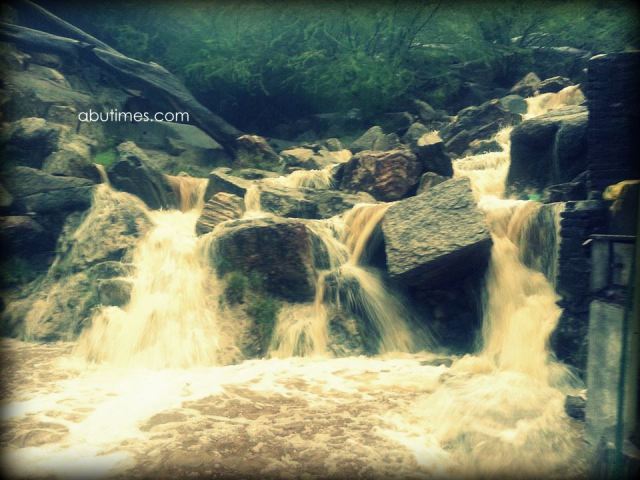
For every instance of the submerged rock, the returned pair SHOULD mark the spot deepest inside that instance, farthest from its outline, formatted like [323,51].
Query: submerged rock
[134,173]
[278,250]
[549,149]
[436,237]
[388,176]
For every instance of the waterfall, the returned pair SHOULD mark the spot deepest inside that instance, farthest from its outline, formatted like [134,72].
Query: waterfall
[172,319]
[355,290]
[520,310]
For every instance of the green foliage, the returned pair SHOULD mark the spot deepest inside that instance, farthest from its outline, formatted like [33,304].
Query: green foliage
[235,289]
[264,312]
[263,63]
[105,158]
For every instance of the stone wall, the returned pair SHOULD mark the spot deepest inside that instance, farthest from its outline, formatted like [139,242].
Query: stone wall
[614,124]
[578,221]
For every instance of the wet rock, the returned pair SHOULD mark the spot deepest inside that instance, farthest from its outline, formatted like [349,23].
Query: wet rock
[254,150]
[221,181]
[436,237]
[527,86]
[221,207]
[553,84]
[387,176]
[134,173]
[574,190]
[575,406]
[476,123]
[39,192]
[375,139]
[549,149]
[258,247]
[430,151]
[428,180]
[310,159]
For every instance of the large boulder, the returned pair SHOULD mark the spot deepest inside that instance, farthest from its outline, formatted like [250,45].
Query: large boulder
[73,158]
[219,208]
[134,173]
[436,237]
[35,191]
[476,123]
[388,176]
[278,250]
[549,149]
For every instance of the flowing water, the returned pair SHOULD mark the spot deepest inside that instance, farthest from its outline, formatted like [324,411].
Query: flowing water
[158,385]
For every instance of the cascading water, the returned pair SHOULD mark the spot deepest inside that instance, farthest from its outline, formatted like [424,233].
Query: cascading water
[171,319]
[495,413]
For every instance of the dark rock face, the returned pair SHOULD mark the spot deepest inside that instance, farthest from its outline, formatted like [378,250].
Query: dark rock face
[476,123]
[134,173]
[23,235]
[574,190]
[575,406]
[430,151]
[39,192]
[278,250]
[388,176]
[578,221]
[437,237]
[219,181]
[219,208]
[549,149]
[613,131]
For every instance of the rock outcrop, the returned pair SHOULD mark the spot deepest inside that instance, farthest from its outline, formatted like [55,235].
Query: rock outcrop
[437,237]
[277,250]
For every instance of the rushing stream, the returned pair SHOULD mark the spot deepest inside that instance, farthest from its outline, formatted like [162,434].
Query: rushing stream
[159,386]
